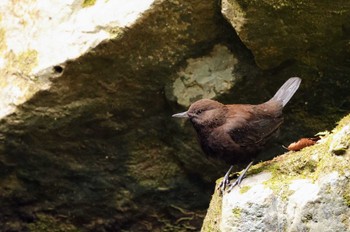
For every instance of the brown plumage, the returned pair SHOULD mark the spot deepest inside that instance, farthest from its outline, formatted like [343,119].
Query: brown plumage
[236,133]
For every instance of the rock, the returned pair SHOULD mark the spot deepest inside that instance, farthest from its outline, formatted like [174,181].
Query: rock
[280,31]
[341,141]
[33,35]
[86,137]
[86,133]
[298,191]
[205,77]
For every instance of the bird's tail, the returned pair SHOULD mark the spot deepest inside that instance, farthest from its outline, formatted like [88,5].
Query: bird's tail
[287,90]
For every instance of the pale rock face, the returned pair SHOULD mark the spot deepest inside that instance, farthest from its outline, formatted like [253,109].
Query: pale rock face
[341,141]
[36,35]
[304,193]
[311,206]
[61,30]
[306,190]
[239,208]
[205,77]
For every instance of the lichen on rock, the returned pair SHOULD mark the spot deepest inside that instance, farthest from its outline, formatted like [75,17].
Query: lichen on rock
[87,141]
[205,77]
[299,189]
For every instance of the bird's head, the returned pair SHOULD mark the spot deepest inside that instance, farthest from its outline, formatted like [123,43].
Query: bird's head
[204,112]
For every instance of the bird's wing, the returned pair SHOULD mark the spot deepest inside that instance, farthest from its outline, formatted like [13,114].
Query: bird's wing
[253,127]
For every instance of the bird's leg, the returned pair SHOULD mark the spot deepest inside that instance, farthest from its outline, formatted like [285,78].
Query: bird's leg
[225,181]
[240,178]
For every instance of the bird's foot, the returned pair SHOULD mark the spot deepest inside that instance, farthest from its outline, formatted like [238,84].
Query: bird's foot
[240,178]
[225,181]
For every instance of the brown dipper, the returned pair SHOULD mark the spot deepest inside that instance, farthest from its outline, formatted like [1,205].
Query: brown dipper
[236,133]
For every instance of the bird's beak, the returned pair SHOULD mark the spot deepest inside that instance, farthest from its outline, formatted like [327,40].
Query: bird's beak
[180,115]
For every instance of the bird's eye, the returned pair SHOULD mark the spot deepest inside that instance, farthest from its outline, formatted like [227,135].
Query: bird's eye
[199,111]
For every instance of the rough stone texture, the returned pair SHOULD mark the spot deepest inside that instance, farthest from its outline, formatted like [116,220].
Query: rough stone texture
[88,143]
[36,35]
[277,31]
[86,138]
[309,39]
[205,77]
[299,191]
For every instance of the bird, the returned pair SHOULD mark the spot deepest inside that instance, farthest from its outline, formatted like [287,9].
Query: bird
[236,133]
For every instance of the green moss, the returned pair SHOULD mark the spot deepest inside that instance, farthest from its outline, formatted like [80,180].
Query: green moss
[309,163]
[237,212]
[212,219]
[88,3]
[346,194]
[347,199]
[27,60]
[115,32]
[342,123]
[244,189]
[23,62]
[258,168]
[280,4]
[3,44]
[156,167]
[328,189]
[341,141]
[47,223]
